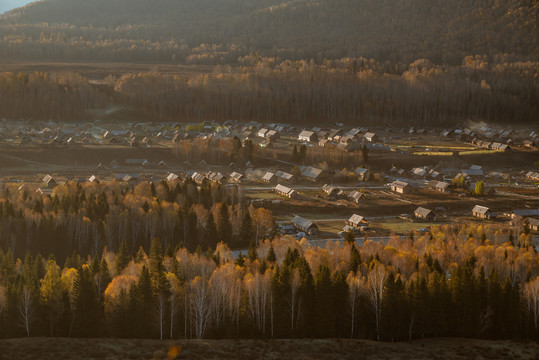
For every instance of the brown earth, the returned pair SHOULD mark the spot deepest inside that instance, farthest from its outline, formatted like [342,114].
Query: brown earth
[443,348]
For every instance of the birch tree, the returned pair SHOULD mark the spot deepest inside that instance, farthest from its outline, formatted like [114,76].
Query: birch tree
[375,292]
[26,308]
[531,291]
[199,291]
[354,287]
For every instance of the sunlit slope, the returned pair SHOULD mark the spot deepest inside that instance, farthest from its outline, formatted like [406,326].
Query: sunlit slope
[395,30]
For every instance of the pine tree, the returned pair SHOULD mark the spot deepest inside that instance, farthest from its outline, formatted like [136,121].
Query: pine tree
[144,304]
[224,227]
[246,229]
[252,254]
[85,304]
[140,256]
[271,257]
[365,155]
[355,258]
[325,311]
[349,238]
[122,258]
[212,236]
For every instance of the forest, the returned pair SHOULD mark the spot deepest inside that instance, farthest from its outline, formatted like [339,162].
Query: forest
[155,261]
[350,90]
[451,282]
[84,218]
[443,31]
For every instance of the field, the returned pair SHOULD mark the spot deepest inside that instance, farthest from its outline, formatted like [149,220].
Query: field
[447,349]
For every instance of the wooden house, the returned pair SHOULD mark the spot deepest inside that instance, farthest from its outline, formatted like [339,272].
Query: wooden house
[483,212]
[400,187]
[307,226]
[425,214]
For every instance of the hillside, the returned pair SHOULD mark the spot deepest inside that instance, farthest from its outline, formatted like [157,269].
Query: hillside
[448,349]
[443,31]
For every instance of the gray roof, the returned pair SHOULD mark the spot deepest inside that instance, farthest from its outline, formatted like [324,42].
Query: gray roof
[311,172]
[284,175]
[360,171]
[422,211]
[236,176]
[473,172]
[399,184]
[526,212]
[356,195]
[282,189]
[370,135]
[480,209]
[302,222]
[306,133]
[438,184]
[419,171]
[268,176]
[356,219]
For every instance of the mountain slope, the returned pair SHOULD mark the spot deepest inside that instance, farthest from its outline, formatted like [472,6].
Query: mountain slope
[443,30]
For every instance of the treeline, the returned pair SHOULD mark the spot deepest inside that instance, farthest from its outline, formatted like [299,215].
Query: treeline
[351,90]
[38,95]
[86,218]
[453,282]
[128,30]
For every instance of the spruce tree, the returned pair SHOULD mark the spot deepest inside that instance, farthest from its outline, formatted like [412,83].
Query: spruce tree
[122,258]
[271,257]
[246,229]
[224,227]
[85,304]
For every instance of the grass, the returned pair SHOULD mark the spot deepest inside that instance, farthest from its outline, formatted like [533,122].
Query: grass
[480,152]
[402,227]
[331,226]
[267,195]
[433,153]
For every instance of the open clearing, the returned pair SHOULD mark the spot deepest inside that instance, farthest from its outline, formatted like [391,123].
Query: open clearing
[443,348]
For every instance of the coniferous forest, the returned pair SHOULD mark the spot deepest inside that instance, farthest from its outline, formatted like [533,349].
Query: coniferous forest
[155,262]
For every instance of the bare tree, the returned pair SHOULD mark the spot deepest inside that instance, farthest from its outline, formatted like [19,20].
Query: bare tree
[375,292]
[160,309]
[199,289]
[354,288]
[295,282]
[174,299]
[258,288]
[531,291]
[26,308]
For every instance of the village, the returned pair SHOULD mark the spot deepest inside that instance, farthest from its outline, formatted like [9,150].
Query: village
[321,183]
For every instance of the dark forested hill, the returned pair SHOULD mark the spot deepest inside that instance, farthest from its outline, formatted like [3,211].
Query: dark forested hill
[442,30]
